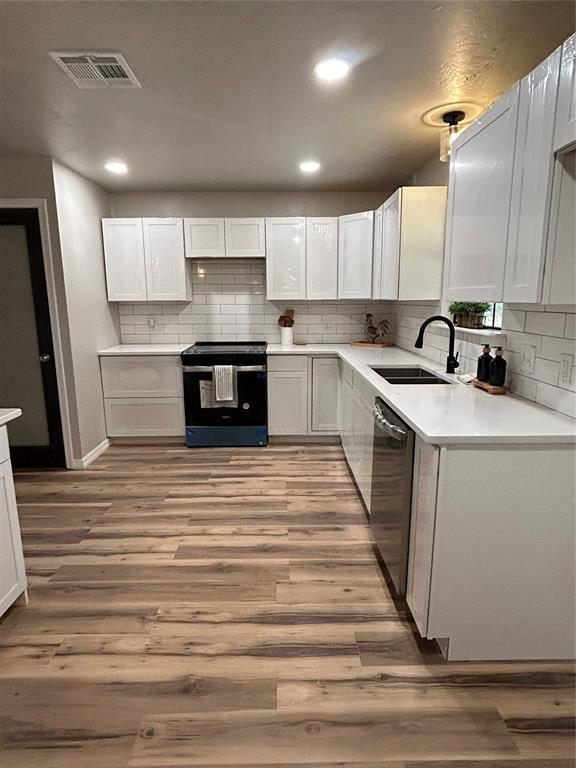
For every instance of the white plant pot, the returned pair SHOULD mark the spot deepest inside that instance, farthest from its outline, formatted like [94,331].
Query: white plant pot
[286,337]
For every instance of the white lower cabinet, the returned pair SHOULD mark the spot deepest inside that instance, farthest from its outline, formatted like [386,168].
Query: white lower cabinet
[487,571]
[12,571]
[422,531]
[325,395]
[303,395]
[357,429]
[287,395]
[144,416]
[143,396]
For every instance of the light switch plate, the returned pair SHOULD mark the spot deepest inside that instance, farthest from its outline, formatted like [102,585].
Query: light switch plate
[527,358]
[566,367]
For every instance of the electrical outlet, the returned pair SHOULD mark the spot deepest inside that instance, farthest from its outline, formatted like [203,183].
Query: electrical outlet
[566,367]
[527,358]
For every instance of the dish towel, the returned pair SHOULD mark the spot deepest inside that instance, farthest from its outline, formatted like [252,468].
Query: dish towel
[224,383]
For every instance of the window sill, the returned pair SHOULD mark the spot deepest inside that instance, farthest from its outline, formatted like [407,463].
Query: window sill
[493,336]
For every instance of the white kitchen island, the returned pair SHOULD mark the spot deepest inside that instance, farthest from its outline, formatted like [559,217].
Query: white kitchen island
[12,571]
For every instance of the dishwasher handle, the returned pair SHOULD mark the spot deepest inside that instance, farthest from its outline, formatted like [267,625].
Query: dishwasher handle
[389,429]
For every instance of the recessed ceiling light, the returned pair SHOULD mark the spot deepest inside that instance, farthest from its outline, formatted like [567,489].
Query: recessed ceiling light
[331,69]
[309,166]
[116,166]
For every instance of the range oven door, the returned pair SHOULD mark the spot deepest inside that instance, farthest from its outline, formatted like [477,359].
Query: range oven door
[391,503]
[211,423]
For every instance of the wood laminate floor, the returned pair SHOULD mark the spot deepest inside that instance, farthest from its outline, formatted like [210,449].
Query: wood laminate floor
[224,607]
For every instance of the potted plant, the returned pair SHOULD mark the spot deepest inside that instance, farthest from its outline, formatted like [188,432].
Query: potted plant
[469,314]
[286,323]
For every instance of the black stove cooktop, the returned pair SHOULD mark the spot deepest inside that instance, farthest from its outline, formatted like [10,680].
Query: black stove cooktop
[227,348]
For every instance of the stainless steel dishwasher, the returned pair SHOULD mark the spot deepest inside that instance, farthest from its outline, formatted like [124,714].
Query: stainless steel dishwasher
[392,491]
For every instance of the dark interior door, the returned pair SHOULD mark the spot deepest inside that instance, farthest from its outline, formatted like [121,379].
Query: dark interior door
[27,366]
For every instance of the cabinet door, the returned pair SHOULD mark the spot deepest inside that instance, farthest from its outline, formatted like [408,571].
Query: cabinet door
[145,417]
[286,258]
[325,394]
[424,489]
[377,255]
[346,417]
[204,238]
[322,258]
[531,183]
[355,236]
[391,213]
[124,259]
[12,573]
[165,261]
[565,127]
[481,164]
[560,275]
[365,453]
[287,402]
[245,237]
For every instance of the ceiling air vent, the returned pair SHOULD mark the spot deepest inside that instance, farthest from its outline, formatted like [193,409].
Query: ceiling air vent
[97,70]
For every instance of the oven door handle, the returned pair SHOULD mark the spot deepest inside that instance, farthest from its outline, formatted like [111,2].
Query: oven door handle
[208,368]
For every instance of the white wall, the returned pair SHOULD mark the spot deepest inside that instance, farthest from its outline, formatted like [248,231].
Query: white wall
[93,321]
[244,203]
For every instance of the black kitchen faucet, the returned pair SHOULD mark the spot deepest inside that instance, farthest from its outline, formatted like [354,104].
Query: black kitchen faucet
[452,360]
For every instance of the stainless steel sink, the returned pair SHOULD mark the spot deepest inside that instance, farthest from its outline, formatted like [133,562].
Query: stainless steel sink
[414,375]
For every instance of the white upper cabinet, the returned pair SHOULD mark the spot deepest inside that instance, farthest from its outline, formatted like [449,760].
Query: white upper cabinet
[390,261]
[565,128]
[204,238]
[322,258]
[286,258]
[481,165]
[409,244]
[144,259]
[377,253]
[560,275]
[124,259]
[245,237]
[531,183]
[355,241]
[164,257]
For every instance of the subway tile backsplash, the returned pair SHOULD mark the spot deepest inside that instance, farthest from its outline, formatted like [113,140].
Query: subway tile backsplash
[229,303]
[536,338]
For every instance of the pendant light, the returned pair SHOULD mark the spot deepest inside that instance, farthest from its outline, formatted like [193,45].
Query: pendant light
[448,134]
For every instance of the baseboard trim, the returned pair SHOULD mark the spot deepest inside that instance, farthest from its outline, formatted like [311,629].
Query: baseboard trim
[147,440]
[91,457]
[299,439]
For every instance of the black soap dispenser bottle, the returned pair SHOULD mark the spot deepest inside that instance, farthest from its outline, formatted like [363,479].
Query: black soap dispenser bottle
[498,369]
[484,361]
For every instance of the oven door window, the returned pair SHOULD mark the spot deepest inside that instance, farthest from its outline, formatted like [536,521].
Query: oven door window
[201,410]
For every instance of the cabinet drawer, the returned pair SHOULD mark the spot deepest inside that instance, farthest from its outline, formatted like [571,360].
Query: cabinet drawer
[152,376]
[288,363]
[144,416]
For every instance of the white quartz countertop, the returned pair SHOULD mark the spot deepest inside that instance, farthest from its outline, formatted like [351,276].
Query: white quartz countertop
[8,414]
[451,414]
[121,350]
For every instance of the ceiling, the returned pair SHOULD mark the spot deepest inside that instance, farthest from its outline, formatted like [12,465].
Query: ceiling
[228,98]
